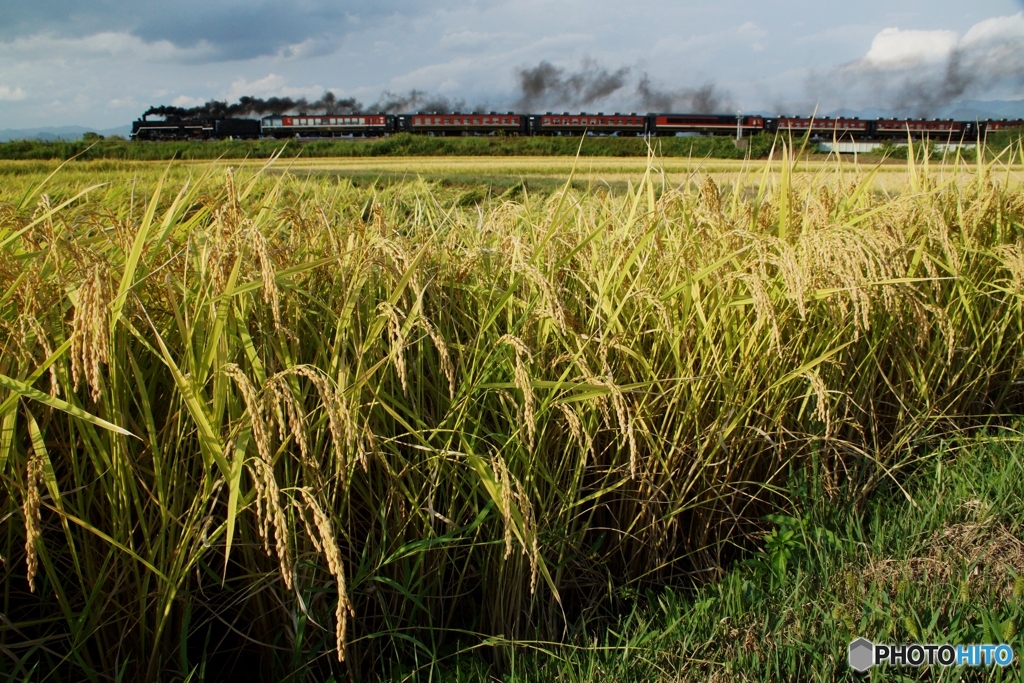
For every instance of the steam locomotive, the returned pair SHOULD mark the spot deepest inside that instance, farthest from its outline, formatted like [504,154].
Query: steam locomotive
[307,126]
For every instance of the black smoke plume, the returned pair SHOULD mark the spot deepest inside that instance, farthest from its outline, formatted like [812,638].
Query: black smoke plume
[415,100]
[703,100]
[388,103]
[255,106]
[549,85]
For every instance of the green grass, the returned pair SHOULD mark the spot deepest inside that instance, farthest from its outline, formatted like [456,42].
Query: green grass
[403,144]
[940,561]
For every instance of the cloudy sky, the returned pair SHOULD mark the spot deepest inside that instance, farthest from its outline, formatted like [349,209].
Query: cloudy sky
[101,63]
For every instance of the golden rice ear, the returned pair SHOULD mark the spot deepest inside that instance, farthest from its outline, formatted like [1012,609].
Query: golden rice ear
[397,340]
[253,408]
[90,342]
[329,545]
[442,351]
[271,295]
[522,381]
[33,517]
[343,428]
[276,518]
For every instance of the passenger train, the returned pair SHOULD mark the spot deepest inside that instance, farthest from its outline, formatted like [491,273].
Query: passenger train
[311,126]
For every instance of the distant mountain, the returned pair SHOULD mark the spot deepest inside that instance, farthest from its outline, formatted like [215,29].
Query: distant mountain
[52,133]
[966,110]
[987,109]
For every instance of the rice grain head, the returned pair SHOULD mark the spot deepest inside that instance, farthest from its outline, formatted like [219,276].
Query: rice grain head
[822,412]
[521,376]
[442,351]
[271,294]
[274,511]
[33,517]
[90,345]
[339,415]
[260,432]
[396,340]
[287,409]
[332,553]
[502,478]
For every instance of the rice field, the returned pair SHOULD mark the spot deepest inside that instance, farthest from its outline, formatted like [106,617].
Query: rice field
[276,415]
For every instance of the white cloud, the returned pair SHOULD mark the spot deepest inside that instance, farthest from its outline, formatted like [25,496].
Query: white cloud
[893,48]
[997,29]
[186,101]
[922,72]
[271,85]
[468,39]
[124,103]
[11,95]
[50,48]
[311,47]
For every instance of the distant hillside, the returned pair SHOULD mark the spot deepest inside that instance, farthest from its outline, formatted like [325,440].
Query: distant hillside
[967,110]
[52,133]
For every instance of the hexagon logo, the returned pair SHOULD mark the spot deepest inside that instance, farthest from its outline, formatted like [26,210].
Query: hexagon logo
[862,655]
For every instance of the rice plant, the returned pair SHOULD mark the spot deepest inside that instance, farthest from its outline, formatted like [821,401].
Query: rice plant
[266,422]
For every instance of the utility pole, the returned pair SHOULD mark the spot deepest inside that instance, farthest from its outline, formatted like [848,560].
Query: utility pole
[739,126]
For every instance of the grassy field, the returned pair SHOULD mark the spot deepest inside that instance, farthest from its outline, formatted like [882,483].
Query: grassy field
[494,176]
[302,419]
[407,145]
[938,559]
[402,144]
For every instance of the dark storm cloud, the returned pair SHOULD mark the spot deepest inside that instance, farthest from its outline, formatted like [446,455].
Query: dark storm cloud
[232,29]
